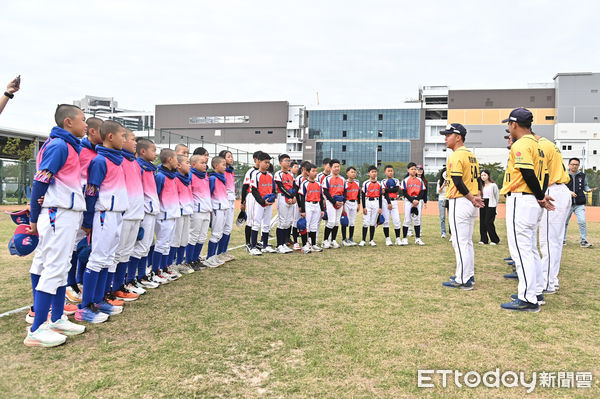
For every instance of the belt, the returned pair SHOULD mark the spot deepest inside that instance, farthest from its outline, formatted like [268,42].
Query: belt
[393,199]
[509,194]
[372,199]
[313,202]
[351,200]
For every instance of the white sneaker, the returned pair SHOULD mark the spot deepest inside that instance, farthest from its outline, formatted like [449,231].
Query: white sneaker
[481,243]
[316,248]
[398,241]
[444,235]
[362,243]
[334,244]
[227,257]
[306,249]
[287,249]
[148,283]
[404,241]
[326,244]
[255,252]
[158,279]
[418,241]
[410,233]
[346,243]
[280,250]
[72,295]
[184,268]
[220,259]
[212,262]
[388,242]
[65,327]
[352,243]
[372,243]
[135,289]
[493,243]
[297,247]
[268,249]
[44,336]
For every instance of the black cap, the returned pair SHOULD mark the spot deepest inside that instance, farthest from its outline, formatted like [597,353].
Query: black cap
[455,128]
[520,115]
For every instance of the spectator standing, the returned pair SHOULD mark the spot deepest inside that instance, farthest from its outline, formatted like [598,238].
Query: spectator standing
[578,186]
[487,214]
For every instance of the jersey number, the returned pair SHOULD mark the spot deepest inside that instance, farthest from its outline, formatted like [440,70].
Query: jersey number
[474,173]
[541,165]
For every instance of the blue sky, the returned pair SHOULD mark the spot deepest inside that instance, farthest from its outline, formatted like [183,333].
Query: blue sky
[154,52]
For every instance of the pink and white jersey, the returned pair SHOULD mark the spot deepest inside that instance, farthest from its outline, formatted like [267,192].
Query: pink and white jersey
[151,201]
[167,194]
[86,155]
[230,184]
[184,191]
[106,173]
[201,191]
[61,160]
[218,191]
[135,190]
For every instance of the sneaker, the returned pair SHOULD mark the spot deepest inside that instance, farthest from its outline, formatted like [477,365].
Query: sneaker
[346,243]
[585,244]
[203,265]
[44,336]
[147,283]
[326,244]
[212,262]
[184,268]
[306,249]
[564,243]
[418,241]
[388,242]
[280,250]
[268,249]
[521,306]
[512,275]
[65,327]
[259,245]
[453,284]
[125,295]
[136,288]
[443,235]
[398,241]
[372,243]
[410,233]
[404,242]
[362,243]
[248,248]
[481,243]
[70,309]
[352,243]
[228,257]
[288,249]
[106,307]
[195,265]
[493,243]
[113,300]
[158,278]
[30,316]
[169,274]
[508,259]
[471,280]
[255,252]
[73,294]
[334,244]
[297,247]
[540,298]
[316,248]
[549,292]
[511,263]
[91,315]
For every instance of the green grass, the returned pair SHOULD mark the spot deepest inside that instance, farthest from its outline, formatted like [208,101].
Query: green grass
[353,322]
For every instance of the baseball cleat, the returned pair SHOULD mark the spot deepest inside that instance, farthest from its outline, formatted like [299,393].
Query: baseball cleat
[540,298]
[471,280]
[453,284]
[549,292]
[511,275]
[521,306]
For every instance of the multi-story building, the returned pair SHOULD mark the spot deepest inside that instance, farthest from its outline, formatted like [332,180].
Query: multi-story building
[434,101]
[94,105]
[371,135]
[296,131]
[577,128]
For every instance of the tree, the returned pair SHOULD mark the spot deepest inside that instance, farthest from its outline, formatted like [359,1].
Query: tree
[13,146]
[496,171]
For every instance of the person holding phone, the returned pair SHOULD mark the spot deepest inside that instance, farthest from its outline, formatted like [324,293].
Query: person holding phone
[11,89]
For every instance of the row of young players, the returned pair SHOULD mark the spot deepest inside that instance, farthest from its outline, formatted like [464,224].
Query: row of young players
[306,198]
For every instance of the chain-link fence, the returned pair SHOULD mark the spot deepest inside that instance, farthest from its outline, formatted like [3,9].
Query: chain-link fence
[15,178]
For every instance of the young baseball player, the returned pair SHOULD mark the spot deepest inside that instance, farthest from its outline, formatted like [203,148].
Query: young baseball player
[351,205]
[286,199]
[320,179]
[264,191]
[334,190]
[389,210]
[371,194]
[56,221]
[413,190]
[312,207]
[182,226]
[220,204]
[106,201]
[299,179]
[146,151]
[230,179]
[247,202]
[552,225]
[200,219]
[127,290]
[166,188]
[464,199]
[526,181]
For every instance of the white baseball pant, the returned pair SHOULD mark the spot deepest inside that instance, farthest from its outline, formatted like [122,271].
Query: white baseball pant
[462,215]
[552,231]
[165,229]
[262,217]
[393,213]
[106,233]
[351,208]
[313,217]
[229,217]
[285,212]
[333,215]
[52,258]
[523,215]
[250,202]
[408,219]
[199,222]
[296,215]
[218,224]
[141,248]
[129,233]
[370,219]
[182,231]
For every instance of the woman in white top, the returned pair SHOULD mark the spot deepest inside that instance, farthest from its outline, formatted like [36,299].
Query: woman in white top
[441,192]
[487,214]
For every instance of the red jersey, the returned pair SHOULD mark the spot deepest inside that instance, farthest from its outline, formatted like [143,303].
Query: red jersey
[335,185]
[352,189]
[413,186]
[311,191]
[372,189]
[263,182]
[286,178]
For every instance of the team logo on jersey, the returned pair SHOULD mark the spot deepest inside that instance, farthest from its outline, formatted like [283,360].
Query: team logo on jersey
[518,154]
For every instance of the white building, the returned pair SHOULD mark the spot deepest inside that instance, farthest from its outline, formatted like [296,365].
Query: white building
[434,101]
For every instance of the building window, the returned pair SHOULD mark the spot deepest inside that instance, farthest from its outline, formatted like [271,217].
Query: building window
[343,148]
[269,132]
[437,114]
[378,162]
[569,147]
[217,132]
[380,133]
[548,98]
[257,132]
[343,162]
[595,152]
[344,117]
[595,118]
[380,117]
[489,102]
[379,148]
[594,90]
[531,99]
[344,133]
[549,117]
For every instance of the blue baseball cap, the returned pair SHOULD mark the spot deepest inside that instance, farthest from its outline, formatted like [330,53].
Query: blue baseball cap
[19,217]
[344,220]
[301,225]
[454,128]
[520,115]
[22,243]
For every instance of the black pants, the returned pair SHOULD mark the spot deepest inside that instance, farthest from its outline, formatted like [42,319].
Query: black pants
[487,216]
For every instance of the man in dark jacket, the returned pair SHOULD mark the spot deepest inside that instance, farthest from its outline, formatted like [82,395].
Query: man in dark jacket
[578,186]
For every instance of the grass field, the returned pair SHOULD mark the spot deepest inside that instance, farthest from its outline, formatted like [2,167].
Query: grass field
[347,323]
